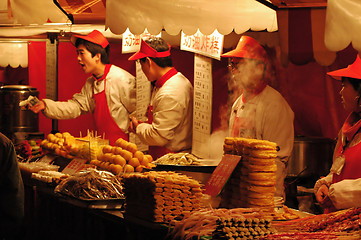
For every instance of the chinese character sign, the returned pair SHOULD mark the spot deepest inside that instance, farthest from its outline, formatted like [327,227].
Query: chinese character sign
[207,45]
[131,42]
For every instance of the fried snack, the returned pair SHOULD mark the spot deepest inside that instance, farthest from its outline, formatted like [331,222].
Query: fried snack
[260,153]
[260,144]
[251,167]
[160,196]
[261,161]
[252,183]
[262,176]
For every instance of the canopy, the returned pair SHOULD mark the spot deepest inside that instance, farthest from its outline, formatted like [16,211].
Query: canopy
[188,16]
[306,32]
[343,24]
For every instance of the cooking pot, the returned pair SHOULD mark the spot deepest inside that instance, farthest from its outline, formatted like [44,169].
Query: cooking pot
[12,117]
[311,157]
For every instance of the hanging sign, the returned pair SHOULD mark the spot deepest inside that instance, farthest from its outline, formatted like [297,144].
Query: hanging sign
[131,42]
[202,106]
[143,89]
[207,45]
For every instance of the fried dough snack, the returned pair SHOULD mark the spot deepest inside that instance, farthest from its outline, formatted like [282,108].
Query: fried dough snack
[161,196]
[253,180]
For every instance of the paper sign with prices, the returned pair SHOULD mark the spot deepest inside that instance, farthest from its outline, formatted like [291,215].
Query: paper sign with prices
[74,166]
[202,106]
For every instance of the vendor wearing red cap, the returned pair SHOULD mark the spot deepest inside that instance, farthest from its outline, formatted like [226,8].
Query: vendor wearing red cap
[109,93]
[341,188]
[169,126]
[260,112]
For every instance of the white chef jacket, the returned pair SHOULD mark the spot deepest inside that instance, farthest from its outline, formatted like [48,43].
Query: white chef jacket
[120,94]
[172,115]
[269,118]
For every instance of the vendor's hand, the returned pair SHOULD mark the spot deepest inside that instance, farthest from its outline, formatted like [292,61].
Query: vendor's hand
[38,107]
[322,194]
[326,203]
[134,124]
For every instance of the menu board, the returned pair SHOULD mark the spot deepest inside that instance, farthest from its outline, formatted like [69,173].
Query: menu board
[143,98]
[221,174]
[202,106]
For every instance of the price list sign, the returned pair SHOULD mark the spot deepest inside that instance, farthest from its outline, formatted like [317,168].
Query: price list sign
[74,166]
[142,98]
[221,174]
[202,106]
[142,92]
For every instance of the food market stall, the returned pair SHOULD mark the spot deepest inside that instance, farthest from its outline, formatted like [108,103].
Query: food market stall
[65,89]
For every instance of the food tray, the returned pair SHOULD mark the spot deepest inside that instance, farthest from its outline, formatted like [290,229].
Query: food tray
[111,203]
[206,166]
[188,168]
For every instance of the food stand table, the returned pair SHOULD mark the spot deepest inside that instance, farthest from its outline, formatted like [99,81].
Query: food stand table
[50,216]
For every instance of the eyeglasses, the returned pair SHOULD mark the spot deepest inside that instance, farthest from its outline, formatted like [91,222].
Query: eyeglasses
[232,65]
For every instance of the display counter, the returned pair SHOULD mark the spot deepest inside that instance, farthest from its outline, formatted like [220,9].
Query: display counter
[50,216]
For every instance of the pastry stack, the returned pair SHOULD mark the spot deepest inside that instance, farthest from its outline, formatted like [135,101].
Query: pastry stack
[252,183]
[161,196]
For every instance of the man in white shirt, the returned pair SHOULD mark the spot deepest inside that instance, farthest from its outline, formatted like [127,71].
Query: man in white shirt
[169,126]
[260,112]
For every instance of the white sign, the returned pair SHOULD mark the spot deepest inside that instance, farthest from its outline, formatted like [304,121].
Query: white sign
[74,166]
[207,45]
[143,97]
[202,106]
[131,42]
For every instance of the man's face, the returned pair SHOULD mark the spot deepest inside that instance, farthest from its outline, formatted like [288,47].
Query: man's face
[248,73]
[85,59]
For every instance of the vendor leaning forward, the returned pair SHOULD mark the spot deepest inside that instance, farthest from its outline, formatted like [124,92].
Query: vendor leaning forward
[109,93]
[169,126]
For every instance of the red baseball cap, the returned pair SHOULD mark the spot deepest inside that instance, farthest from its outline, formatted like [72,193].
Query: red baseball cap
[247,47]
[353,70]
[147,51]
[95,37]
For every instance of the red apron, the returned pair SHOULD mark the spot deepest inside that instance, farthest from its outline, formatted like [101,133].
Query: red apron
[104,122]
[351,168]
[158,151]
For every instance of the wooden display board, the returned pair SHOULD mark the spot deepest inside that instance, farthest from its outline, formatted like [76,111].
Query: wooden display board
[221,174]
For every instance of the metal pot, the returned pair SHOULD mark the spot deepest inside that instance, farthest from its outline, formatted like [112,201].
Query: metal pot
[12,117]
[311,157]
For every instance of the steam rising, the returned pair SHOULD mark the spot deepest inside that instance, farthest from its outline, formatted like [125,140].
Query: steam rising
[247,76]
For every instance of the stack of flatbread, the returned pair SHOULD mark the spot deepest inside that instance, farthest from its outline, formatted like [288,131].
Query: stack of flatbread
[252,183]
[161,196]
